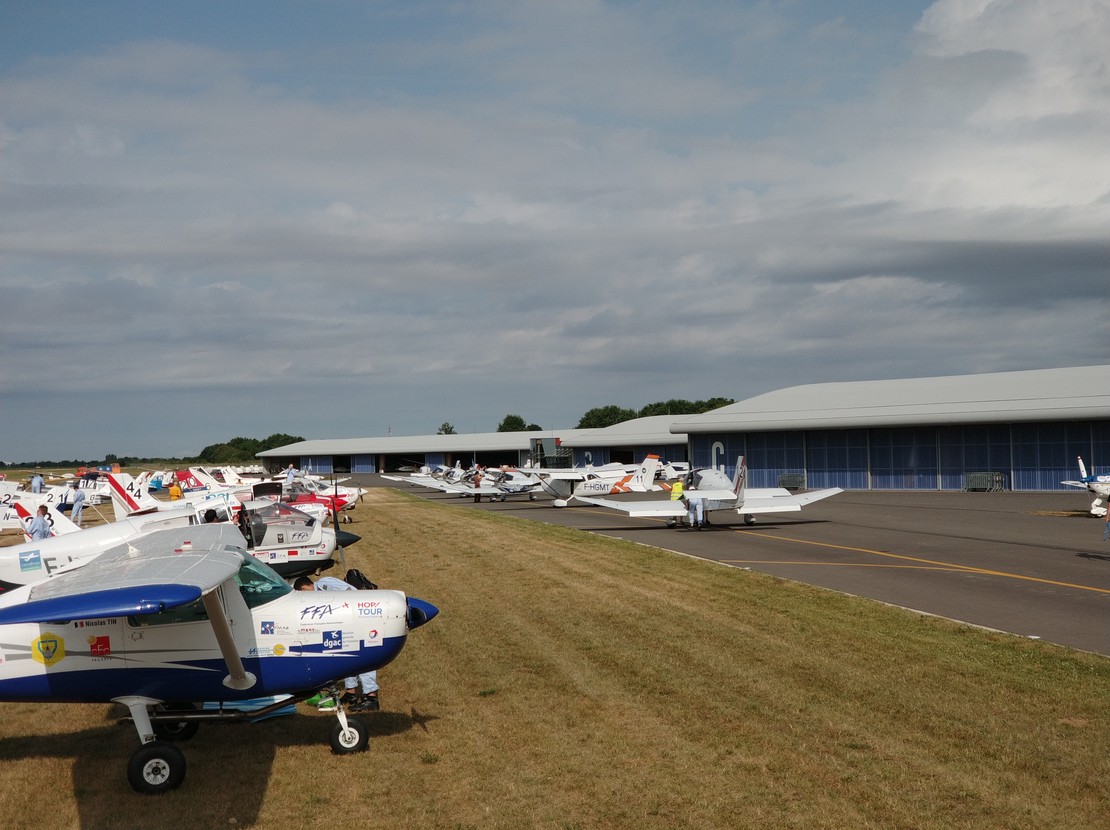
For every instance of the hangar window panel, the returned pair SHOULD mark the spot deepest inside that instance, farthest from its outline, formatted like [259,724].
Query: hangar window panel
[1045,454]
[363,464]
[837,459]
[771,454]
[972,449]
[904,459]
[1100,446]
[715,450]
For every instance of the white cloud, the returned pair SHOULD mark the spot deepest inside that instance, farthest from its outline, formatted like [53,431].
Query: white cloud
[580,205]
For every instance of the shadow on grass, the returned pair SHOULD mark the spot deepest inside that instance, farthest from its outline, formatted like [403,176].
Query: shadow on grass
[228,768]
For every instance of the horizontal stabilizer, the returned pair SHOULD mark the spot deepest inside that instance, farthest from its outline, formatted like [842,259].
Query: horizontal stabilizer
[640,509]
[785,504]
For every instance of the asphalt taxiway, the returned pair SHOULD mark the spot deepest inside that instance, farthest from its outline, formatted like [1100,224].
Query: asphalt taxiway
[1032,564]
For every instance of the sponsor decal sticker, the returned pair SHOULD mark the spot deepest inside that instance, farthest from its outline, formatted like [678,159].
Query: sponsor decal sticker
[30,560]
[267,627]
[100,646]
[333,640]
[48,649]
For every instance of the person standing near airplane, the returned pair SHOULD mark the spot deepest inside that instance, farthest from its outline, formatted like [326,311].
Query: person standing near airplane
[355,702]
[290,474]
[78,504]
[39,527]
[36,482]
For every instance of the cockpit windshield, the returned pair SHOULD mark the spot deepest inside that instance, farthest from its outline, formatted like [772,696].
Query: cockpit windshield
[258,583]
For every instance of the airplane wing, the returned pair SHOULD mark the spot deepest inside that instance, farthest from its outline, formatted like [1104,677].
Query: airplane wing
[785,504]
[161,570]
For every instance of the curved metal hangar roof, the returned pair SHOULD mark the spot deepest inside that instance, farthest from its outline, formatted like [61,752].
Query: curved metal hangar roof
[1071,394]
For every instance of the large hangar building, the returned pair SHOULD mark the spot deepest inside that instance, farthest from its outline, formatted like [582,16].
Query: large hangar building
[1000,431]
[1006,430]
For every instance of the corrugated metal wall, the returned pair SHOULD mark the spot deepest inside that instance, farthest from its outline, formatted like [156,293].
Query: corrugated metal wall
[1029,456]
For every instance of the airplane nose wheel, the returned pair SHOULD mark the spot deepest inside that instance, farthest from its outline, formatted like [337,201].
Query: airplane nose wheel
[348,737]
[156,768]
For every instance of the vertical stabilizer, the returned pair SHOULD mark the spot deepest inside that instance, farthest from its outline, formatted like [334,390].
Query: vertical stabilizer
[740,479]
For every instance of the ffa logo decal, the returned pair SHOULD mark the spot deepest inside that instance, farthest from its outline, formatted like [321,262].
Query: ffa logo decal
[48,649]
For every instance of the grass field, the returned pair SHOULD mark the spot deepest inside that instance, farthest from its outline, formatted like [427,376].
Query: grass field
[572,681]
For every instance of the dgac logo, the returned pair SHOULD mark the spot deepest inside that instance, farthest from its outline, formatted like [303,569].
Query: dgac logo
[333,640]
[48,649]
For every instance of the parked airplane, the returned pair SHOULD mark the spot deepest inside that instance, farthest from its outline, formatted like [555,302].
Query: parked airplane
[129,497]
[717,492]
[1097,485]
[184,616]
[608,479]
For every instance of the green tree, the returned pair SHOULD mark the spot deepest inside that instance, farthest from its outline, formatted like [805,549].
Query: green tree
[512,423]
[681,406]
[446,428]
[605,416]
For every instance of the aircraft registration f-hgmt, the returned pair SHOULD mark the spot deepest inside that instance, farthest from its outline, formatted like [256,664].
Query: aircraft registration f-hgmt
[186,616]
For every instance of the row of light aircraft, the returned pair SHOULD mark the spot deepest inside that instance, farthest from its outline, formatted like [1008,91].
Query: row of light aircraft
[610,486]
[184,621]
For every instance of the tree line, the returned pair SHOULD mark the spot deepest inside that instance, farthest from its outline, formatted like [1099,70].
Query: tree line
[243,450]
[606,416]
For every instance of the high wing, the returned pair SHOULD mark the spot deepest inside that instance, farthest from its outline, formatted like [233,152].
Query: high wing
[147,575]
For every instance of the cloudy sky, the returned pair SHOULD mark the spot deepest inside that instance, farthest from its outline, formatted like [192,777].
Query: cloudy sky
[346,218]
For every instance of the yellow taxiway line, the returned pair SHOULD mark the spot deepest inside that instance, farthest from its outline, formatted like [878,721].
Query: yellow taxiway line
[929,564]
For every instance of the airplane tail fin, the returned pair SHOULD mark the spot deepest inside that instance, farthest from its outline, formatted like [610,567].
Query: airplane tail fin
[646,477]
[59,522]
[127,497]
[740,479]
[1082,468]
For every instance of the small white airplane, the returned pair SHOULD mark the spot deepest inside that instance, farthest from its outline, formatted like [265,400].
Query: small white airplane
[717,492]
[1098,486]
[286,539]
[178,618]
[608,479]
[495,483]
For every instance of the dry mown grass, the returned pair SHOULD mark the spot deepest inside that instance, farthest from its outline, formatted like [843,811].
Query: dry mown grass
[580,682]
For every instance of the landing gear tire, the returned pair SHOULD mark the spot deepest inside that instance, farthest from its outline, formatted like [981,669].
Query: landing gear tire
[353,738]
[749,519]
[156,768]
[181,730]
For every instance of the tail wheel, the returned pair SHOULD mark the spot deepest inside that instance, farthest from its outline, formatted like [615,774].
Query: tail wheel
[352,738]
[156,768]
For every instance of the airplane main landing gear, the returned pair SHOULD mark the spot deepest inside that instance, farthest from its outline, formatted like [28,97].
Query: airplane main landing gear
[156,768]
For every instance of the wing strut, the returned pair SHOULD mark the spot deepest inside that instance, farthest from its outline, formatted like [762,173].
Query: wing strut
[238,677]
